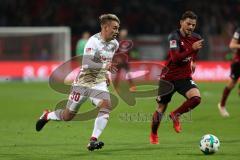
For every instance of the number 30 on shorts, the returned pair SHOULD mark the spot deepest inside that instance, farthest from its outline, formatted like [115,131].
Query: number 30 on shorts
[75,96]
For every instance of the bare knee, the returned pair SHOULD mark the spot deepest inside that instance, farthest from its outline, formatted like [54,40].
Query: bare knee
[161,107]
[231,84]
[68,115]
[105,104]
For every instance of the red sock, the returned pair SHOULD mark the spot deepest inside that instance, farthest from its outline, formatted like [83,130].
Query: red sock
[156,118]
[187,105]
[226,92]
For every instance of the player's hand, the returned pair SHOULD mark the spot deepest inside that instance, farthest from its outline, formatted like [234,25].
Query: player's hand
[117,60]
[112,67]
[197,45]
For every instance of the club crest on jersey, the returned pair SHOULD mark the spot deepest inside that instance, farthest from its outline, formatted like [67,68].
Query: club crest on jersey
[125,46]
[173,44]
[88,50]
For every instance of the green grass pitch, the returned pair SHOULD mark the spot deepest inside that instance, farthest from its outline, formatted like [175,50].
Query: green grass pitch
[126,136]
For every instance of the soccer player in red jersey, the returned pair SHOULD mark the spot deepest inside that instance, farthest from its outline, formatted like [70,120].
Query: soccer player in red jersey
[235,72]
[121,58]
[184,45]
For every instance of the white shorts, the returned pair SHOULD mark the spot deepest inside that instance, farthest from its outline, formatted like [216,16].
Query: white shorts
[79,94]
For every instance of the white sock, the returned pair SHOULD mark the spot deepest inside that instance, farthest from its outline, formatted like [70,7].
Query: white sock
[100,123]
[55,115]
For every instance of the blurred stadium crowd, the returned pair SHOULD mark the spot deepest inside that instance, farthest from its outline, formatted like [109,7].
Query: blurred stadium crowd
[217,18]
[141,17]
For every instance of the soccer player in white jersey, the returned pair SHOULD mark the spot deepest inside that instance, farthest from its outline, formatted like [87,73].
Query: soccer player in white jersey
[91,80]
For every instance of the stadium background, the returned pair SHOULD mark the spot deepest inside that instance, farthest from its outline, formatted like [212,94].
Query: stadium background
[148,23]
[26,63]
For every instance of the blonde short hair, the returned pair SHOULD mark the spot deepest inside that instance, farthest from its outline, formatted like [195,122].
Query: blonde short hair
[104,18]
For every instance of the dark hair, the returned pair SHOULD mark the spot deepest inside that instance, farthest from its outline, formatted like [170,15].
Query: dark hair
[104,18]
[189,14]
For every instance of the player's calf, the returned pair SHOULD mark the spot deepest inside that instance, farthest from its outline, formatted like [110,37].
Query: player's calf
[67,115]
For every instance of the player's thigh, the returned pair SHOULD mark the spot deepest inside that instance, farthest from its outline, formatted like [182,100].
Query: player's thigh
[187,87]
[165,92]
[235,71]
[193,92]
[231,84]
[76,98]
[100,96]
[161,108]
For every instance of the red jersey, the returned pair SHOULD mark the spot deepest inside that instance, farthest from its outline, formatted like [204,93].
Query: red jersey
[236,35]
[180,56]
[122,54]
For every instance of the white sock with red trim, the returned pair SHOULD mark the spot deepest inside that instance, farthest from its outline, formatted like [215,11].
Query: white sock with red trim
[100,123]
[55,115]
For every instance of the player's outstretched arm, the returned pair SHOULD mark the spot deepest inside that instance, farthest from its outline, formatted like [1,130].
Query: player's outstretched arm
[174,48]
[197,45]
[91,62]
[178,56]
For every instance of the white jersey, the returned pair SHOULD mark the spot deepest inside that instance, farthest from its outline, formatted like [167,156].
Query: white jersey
[97,54]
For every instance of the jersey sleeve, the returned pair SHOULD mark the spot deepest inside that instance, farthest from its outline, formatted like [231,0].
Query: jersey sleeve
[236,34]
[174,41]
[90,47]
[91,56]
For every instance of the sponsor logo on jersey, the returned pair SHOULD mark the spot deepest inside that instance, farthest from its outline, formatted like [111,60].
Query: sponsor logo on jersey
[187,59]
